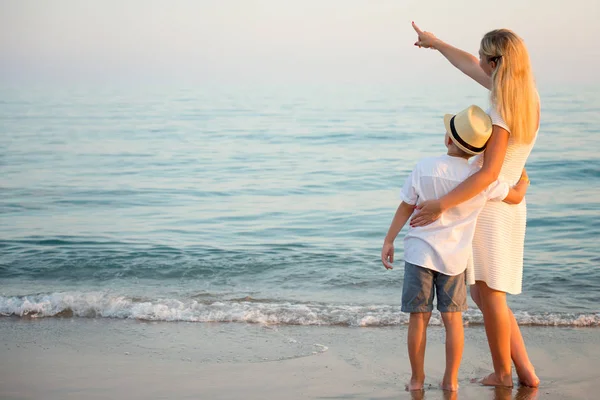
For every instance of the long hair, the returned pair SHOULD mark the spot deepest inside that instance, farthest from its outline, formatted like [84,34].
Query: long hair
[513,92]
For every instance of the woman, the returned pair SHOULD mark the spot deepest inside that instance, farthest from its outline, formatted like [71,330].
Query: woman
[504,68]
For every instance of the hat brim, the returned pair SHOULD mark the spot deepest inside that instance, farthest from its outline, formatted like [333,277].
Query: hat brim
[447,119]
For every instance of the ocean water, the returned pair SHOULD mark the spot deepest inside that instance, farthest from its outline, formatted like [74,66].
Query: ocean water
[262,204]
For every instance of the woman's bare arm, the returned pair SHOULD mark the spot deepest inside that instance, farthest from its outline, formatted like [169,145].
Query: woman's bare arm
[465,62]
[495,152]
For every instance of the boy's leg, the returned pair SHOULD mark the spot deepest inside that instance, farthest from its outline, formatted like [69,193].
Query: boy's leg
[455,339]
[417,340]
[452,301]
[417,299]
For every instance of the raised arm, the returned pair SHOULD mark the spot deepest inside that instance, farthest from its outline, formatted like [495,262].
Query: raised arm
[465,62]
[495,152]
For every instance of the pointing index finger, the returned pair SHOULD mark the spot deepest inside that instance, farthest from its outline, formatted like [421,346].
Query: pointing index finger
[416,28]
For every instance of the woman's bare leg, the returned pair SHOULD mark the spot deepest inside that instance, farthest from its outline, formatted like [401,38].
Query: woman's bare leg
[496,318]
[518,351]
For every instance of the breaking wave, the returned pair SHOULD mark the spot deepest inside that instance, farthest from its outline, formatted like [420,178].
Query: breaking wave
[246,310]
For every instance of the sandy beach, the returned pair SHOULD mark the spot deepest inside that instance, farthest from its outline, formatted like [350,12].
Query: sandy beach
[195,194]
[124,359]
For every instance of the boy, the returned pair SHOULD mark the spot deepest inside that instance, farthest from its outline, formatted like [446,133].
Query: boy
[436,255]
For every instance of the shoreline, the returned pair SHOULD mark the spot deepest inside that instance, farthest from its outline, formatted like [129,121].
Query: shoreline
[206,308]
[111,359]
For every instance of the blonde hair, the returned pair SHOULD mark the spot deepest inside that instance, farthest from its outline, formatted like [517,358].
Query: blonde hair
[513,90]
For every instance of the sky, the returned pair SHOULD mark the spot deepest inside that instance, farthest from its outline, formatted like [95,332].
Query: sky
[283,41]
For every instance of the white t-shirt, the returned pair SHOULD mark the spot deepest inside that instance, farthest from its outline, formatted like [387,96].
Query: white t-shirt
[444,245]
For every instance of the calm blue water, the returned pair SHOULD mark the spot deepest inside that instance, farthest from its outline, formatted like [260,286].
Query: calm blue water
[262,204]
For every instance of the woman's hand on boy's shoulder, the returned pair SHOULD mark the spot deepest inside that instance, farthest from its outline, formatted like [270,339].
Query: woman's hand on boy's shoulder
[387,255]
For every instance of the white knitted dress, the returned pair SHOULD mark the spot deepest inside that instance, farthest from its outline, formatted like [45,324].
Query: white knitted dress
[500,232]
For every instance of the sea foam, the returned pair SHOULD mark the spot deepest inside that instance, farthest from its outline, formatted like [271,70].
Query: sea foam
[271,312]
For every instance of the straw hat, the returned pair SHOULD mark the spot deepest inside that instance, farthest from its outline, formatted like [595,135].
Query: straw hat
[470,129]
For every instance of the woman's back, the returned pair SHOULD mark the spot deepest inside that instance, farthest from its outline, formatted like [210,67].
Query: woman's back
[516,153]
[500,232]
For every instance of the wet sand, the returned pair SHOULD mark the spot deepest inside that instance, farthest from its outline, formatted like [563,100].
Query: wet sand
[75,358]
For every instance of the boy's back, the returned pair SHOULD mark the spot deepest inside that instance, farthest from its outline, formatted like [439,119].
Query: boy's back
[445,245]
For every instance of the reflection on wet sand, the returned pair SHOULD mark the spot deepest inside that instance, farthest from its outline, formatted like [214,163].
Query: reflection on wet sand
[497,393]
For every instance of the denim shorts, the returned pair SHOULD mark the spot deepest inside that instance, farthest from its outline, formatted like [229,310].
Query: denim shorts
[421,283]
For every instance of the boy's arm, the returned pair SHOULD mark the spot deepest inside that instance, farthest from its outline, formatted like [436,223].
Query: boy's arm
[517,192]
[403,213]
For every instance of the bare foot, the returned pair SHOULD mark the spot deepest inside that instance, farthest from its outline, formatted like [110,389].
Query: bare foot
[415,384]
[493,380]
[449,382]
[449,386]
[528,378]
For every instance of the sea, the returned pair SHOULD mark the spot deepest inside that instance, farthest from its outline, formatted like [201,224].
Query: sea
[263,204]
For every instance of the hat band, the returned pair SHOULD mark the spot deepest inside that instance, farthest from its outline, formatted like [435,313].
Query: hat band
[461,141]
